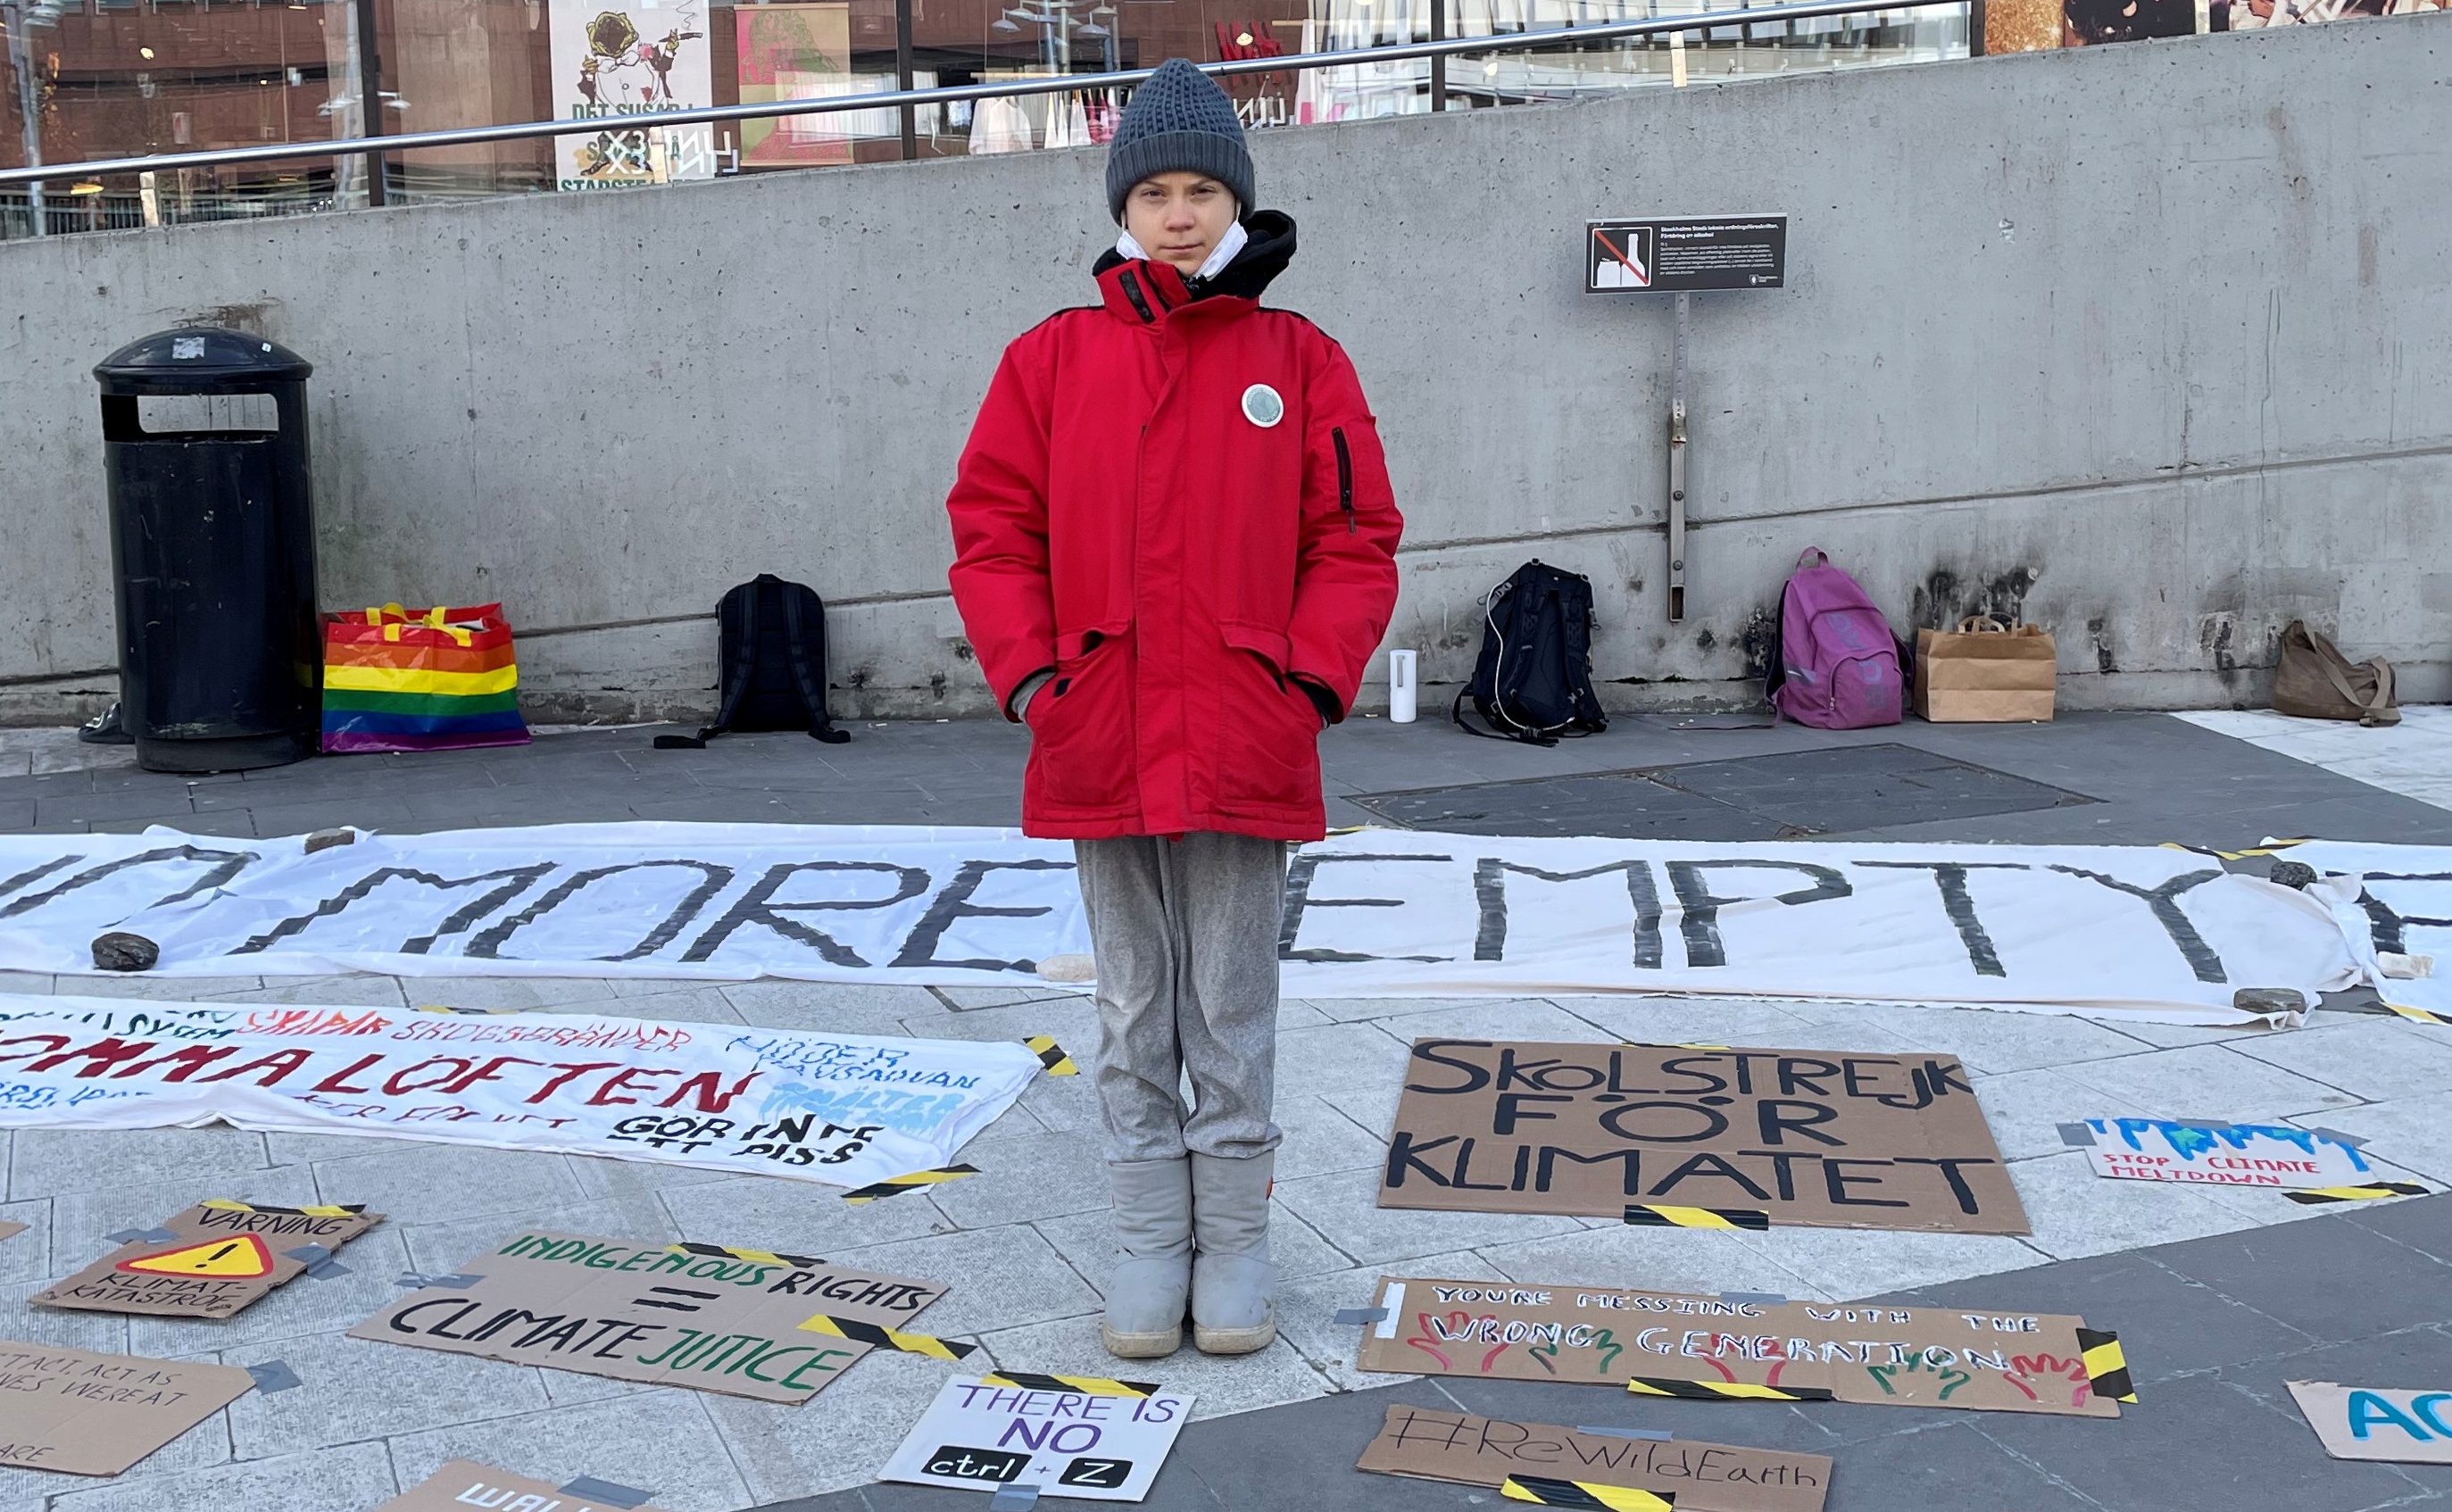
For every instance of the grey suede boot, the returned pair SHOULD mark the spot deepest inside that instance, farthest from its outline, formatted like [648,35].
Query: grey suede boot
[1234,1285]
[1147,1292]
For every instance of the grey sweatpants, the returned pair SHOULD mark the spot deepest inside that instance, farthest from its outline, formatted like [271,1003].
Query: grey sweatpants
[1186,936]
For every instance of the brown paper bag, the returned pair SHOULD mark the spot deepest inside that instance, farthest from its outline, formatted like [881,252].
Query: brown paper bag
[1983,671]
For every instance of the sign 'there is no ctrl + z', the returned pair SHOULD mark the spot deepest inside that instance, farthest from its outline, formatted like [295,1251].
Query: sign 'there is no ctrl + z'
[1681,255]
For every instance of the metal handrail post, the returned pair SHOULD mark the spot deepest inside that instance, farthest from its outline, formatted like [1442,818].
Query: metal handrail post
[370,105]
[902,76]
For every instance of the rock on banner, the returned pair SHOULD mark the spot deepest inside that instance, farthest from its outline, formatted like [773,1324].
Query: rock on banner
[845,1108]
[2134,930]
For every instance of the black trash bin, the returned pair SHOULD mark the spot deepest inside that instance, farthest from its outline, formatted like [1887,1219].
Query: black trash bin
[212,540]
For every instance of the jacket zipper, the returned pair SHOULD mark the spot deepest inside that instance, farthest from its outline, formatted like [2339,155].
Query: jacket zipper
[1344,478]
[1132,291]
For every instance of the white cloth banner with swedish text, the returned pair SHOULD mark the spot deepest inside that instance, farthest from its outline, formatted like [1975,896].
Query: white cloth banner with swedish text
[2146,931]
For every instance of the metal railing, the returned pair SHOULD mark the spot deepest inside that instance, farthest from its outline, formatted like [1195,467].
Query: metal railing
[1005,89]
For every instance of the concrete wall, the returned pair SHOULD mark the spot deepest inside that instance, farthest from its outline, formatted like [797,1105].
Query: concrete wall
[2149,344]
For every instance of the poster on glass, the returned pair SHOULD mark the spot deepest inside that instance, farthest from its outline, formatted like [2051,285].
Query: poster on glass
[631,59]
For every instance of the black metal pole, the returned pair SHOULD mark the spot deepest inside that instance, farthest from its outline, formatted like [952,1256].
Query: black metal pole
[1438,65]
[902,77]
[370,97]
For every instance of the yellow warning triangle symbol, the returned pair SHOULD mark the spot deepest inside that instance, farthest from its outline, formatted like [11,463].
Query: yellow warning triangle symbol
[241,1257]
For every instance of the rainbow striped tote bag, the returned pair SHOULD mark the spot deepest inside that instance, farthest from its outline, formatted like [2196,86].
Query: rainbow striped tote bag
[420,680]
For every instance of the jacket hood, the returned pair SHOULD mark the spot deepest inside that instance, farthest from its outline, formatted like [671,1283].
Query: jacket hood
[1152,289]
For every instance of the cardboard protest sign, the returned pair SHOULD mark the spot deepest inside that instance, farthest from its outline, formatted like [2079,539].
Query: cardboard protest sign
[1708,1138]
[10,1230]
[747,1322]
[1458,1446]
[1103,1444]
[220,1258]
[1667,1344]
[465,1483]
[2221,1154]
[80,1413]
[844,1109]
[2366,1423]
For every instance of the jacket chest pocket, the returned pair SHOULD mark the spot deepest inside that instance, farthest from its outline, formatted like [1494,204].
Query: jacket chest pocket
[1081,723]
[1268,734]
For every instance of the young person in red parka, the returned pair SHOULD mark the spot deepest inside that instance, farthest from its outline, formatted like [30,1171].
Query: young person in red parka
[1174,555]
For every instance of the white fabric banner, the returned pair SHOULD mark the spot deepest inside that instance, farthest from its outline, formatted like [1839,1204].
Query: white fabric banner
[2147,931]
[843,1108]
[2404,908]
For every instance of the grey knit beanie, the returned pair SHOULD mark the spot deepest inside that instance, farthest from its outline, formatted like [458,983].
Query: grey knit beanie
[1179,122]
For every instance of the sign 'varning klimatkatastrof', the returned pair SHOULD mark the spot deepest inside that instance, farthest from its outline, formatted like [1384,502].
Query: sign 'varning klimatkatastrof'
[2119,931]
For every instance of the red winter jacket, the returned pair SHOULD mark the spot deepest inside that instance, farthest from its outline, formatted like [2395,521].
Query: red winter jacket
[1179,505]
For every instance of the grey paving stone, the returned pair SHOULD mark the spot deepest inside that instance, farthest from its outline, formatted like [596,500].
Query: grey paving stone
[1023,1176]
[27,1256]
[801,1217]
[2371,1058]
[90,1167]
[839,1439]
[1319,1139]
[461,1243]
[2076,1213]
[1001,1278]
[354,1475]
[1848,1263]
[662,1442]
[422,1388]
[150,986]
[2323,1277]
[148,804]
[2169,1323]
[1637,1259]
[424,1184]
[840,1008]
[2266,1457]
[1343,1208]
[2209,1081]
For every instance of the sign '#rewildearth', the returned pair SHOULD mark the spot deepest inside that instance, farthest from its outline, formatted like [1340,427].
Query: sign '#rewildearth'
[845,1108]
[1687,1136]
[2166,934]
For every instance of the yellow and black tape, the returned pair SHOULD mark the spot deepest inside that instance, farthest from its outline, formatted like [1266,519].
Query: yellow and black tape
[1087,1385]
[764,1257]
[1052,1055]
[2419,1015]
[1653,1216]
[226,1204]
[2312,1195]
[2276,847]
[1542,1491]
[1723,1391]
[877,1337]
[2107,1368]
[911,1183]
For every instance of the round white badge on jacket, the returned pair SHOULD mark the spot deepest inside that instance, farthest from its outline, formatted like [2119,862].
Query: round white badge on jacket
[1262,407]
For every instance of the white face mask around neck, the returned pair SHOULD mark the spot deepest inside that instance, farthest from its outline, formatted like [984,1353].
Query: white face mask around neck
[1232,243]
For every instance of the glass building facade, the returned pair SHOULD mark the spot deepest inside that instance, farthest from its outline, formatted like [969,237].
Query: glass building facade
[97,79]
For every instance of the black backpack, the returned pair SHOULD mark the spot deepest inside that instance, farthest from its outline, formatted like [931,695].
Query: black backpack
[1533,681]
[772,650]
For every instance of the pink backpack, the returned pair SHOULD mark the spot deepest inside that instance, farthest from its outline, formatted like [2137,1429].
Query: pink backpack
[1838,665]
